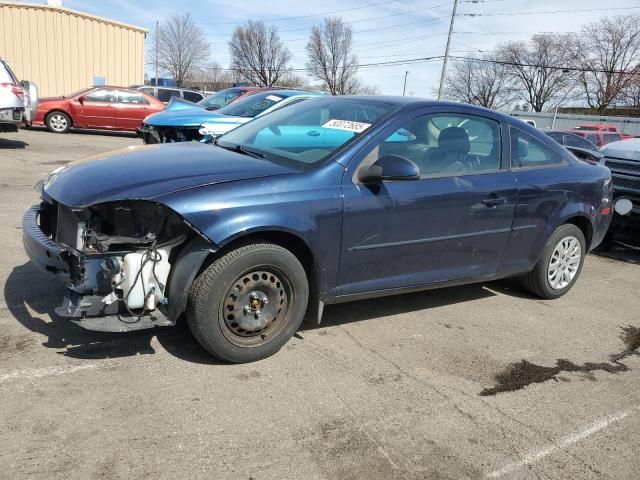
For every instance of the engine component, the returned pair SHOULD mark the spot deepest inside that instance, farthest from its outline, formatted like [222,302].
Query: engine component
[144,276]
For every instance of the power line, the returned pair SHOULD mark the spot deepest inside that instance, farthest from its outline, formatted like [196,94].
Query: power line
[545,12]
[355,21]
[284,19]
[550,67]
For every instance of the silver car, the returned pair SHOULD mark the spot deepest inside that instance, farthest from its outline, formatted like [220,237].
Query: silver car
[18,100]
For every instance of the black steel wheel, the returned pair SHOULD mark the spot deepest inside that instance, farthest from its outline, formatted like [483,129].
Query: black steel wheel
[247,304]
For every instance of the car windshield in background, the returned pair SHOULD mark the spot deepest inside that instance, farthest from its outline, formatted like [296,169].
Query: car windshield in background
[220,99]
[252,105]
[308,132]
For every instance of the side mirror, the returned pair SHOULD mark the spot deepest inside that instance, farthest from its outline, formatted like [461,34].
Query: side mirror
[389,167]
[81,100]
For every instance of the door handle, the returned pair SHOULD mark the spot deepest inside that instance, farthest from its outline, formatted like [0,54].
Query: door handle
[493,201]
[313,133]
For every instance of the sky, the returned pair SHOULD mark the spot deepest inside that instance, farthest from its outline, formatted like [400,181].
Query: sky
[384,30]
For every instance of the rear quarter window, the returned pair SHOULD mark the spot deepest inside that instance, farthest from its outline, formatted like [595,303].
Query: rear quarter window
[529,152]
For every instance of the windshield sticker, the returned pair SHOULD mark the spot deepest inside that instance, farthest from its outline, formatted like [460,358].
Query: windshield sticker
[273,98]
[347,125]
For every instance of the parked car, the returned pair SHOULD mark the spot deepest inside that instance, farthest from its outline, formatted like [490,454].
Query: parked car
[325,201]
[623,159]
[228,95]
[604,128]
[572,140]
[599,138]
[103,107]
[184,123]
[164,94]
[18,100]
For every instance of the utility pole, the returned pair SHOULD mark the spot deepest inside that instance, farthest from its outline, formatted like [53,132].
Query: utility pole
[157,43]
[443,75]
[404,89]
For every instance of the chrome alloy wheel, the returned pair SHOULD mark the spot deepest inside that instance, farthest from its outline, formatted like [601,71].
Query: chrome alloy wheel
[58,122]
[564,263]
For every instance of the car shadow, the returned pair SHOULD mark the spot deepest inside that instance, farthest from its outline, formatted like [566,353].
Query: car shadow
[621,251]
[6,144]
[86,131]
[31,297]
[345,313]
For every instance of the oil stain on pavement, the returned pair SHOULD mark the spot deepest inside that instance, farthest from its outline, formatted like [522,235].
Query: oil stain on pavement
[520,374]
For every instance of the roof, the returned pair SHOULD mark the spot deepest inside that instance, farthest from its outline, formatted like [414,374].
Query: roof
[40,6]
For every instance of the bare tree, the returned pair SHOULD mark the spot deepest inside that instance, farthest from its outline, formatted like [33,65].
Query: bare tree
[331,58]
[537,68]
[483,82]
[364,89]
[610,55]
[181,47]
[631,95]
[212,76]
[258,54]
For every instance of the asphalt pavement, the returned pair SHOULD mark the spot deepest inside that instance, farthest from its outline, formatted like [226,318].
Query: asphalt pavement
[482,381]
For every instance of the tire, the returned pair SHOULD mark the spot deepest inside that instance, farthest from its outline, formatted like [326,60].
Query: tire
[247,304]
[540,281]
[58,122]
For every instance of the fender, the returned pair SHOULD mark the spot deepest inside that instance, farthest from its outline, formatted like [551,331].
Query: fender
[183,273]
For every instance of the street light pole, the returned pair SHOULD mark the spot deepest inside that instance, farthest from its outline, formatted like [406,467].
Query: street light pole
[443,75]
[157,41]
[404,89]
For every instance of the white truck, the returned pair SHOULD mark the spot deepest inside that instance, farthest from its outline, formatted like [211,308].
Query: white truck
[18,100]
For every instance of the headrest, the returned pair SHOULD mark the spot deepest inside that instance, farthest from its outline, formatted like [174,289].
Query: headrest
[454,139]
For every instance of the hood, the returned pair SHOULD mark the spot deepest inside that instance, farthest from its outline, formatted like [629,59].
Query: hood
[145,172]
[224,123]
[181,115]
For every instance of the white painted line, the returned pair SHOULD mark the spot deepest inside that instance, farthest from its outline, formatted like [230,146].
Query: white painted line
[44,372]
[567,441]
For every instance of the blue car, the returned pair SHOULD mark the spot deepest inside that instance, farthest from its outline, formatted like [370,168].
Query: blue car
[182,121]
[326,201]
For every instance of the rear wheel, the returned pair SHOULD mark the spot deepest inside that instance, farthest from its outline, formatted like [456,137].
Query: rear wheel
[560,263]
[58,122]
[247,304]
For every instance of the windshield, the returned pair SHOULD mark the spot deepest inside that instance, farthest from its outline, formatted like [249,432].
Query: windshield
[221,98]
[308,132]
[75,94]
[252,105]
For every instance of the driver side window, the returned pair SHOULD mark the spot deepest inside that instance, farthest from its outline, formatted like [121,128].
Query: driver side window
[445,145]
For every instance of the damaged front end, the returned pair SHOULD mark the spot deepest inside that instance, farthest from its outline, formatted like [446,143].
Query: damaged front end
[115,257]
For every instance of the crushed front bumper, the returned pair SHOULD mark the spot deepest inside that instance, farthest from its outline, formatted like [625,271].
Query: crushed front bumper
[152,134]
[87,286]
[45,254]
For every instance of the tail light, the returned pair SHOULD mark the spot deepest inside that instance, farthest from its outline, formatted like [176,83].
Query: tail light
[15,89]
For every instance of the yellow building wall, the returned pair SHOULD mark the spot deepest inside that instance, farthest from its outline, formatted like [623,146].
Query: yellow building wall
[62,50]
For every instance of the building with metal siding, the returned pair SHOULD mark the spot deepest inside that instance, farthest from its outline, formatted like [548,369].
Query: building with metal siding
[64,50]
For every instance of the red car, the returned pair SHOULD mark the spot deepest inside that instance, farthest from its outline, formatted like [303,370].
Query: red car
[104,107]
[604,128]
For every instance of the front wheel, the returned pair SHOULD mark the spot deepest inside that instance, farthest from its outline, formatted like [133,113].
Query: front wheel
[247,304]
[560,263]
[58,122]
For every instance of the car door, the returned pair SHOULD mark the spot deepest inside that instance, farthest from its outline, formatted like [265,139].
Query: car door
[95,109]
[450,224]
[130,108]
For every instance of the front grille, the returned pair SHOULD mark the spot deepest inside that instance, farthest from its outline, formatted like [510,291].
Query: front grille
[623,166]
[628,183]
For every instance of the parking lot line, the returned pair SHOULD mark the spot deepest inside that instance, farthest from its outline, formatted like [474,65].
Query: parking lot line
[44,372]
[567,441]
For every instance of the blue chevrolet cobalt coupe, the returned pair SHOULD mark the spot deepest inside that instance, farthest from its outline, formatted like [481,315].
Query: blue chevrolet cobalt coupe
[329,200]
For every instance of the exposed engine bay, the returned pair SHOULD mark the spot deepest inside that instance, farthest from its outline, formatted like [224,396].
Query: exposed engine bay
[119,256]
